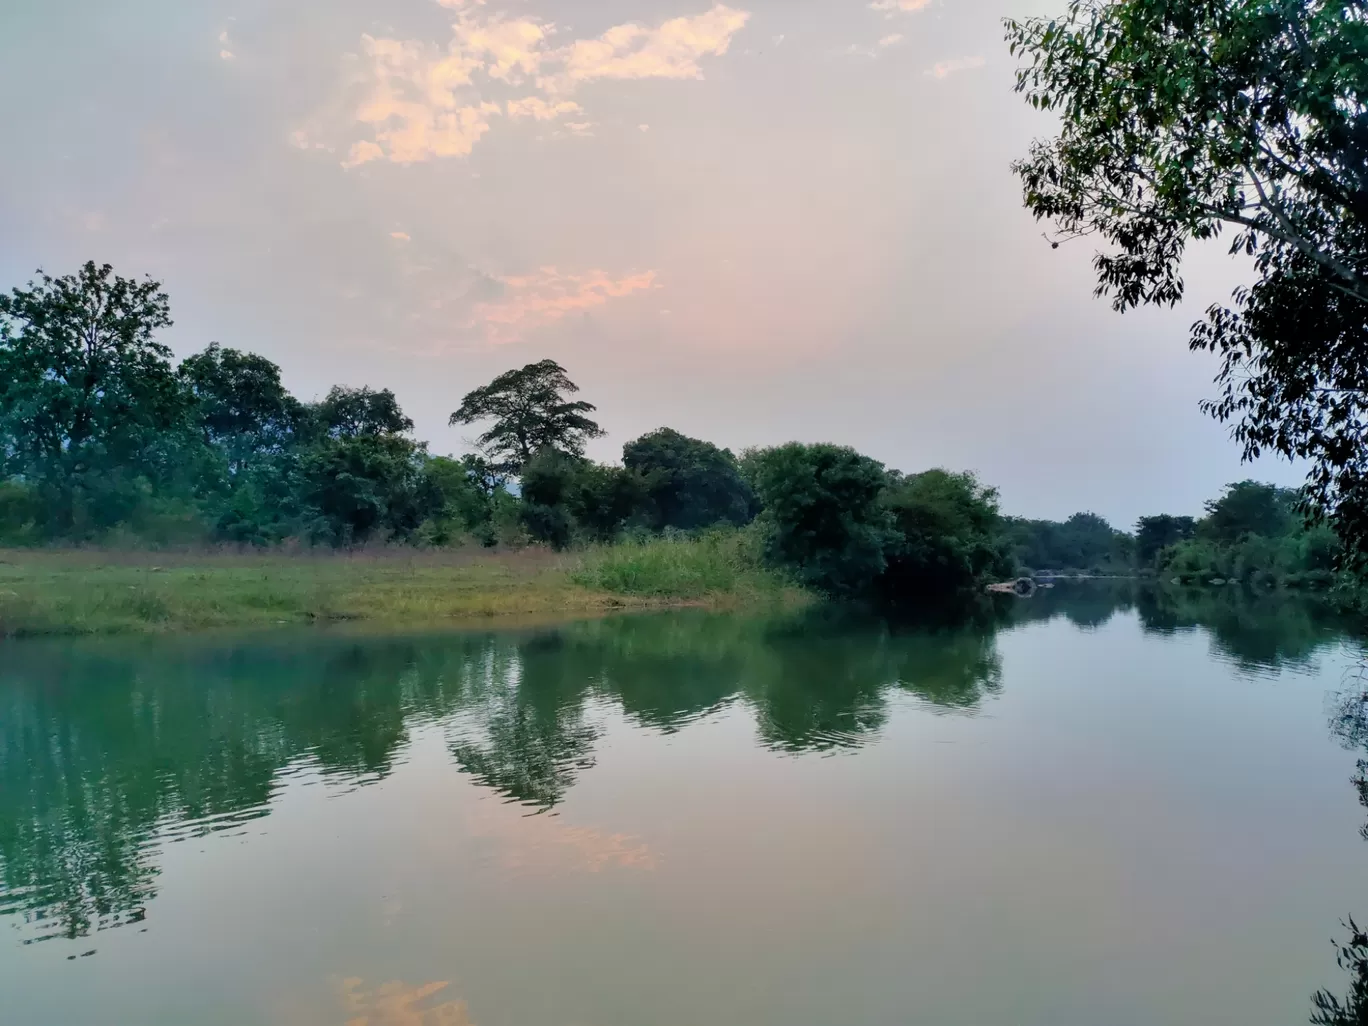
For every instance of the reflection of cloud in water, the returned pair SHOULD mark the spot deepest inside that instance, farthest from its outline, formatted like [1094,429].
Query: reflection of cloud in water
[544,844]
[399,1004]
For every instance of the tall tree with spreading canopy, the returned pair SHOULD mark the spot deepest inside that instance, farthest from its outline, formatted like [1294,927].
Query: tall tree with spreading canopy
[1183,119]
[531,412]
[87,394]
[240,403]
[361,413]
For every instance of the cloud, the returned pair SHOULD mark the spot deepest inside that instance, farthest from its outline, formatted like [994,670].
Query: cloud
[944,69]
[425,102]
[536,300]
[891,6]
[414,108]
[362,153]
[226,55]
[506,50]
[891,40]
[632,51]
[539,109]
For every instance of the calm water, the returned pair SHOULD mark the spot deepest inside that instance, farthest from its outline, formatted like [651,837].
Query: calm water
[1106,809]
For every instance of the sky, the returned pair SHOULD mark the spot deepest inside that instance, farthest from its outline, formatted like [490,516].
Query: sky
[754,222]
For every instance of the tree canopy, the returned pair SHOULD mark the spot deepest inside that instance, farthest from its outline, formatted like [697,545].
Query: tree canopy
[86,392]
[530,412]
[689,482]
[1181,119]
[822,514]
[240,401]
[359,412]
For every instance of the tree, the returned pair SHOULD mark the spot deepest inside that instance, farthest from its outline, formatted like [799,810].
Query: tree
[565,494]
[1352,957]
[822,515]
[240,403]
[1249,508]
[1154,534]
[1083,542]
[1185,118]
[361,412]
[948,536]
[530,413]
[369,485]
[364,477]
[690,483]
[87,396]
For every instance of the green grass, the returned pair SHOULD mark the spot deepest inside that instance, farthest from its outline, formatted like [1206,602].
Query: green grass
[722,568]
[92,591]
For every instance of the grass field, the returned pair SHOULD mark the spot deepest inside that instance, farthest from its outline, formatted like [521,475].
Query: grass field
[94,591]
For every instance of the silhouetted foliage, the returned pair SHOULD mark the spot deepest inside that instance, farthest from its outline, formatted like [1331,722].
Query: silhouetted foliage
[1352,957]
[530,412]
[1181,120]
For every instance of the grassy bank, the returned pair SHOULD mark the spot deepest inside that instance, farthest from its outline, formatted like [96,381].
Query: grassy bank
[91,591]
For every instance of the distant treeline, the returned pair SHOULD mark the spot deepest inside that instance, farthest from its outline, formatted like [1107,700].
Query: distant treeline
[1252,533]
[105,440]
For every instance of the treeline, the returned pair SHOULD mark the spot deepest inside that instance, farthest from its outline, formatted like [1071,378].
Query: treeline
[1252,533]
[105,439]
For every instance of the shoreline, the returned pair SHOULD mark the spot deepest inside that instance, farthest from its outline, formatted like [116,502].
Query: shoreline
[71,593]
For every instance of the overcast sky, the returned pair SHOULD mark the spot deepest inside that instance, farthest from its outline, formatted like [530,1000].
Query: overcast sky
[783,219]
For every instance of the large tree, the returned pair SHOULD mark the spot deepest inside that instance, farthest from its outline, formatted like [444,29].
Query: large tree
[690,483]
[240,403]
[1183,119]
[822,516]
[1156,533]
[87,394]
[361,413]
[531,412]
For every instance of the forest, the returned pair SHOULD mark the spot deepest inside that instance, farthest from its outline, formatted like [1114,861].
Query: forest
[107,441]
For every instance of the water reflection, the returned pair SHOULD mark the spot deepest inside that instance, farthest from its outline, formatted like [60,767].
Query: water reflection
[1253,630]
[398,1004]
[109,750]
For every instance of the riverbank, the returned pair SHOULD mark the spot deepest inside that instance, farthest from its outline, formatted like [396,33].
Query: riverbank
[55,592]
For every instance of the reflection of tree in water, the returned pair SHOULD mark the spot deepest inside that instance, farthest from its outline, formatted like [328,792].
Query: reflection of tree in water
[1349,725]
[531,738]
[1086,604]
[1256,630]
[826,682]
[108,750]
[104,748]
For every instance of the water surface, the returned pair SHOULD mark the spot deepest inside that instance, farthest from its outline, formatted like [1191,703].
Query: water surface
[1103,807]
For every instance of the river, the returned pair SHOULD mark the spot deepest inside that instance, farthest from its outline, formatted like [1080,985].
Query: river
[1104,806]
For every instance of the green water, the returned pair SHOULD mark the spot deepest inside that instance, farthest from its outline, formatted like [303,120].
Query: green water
[1101,808]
